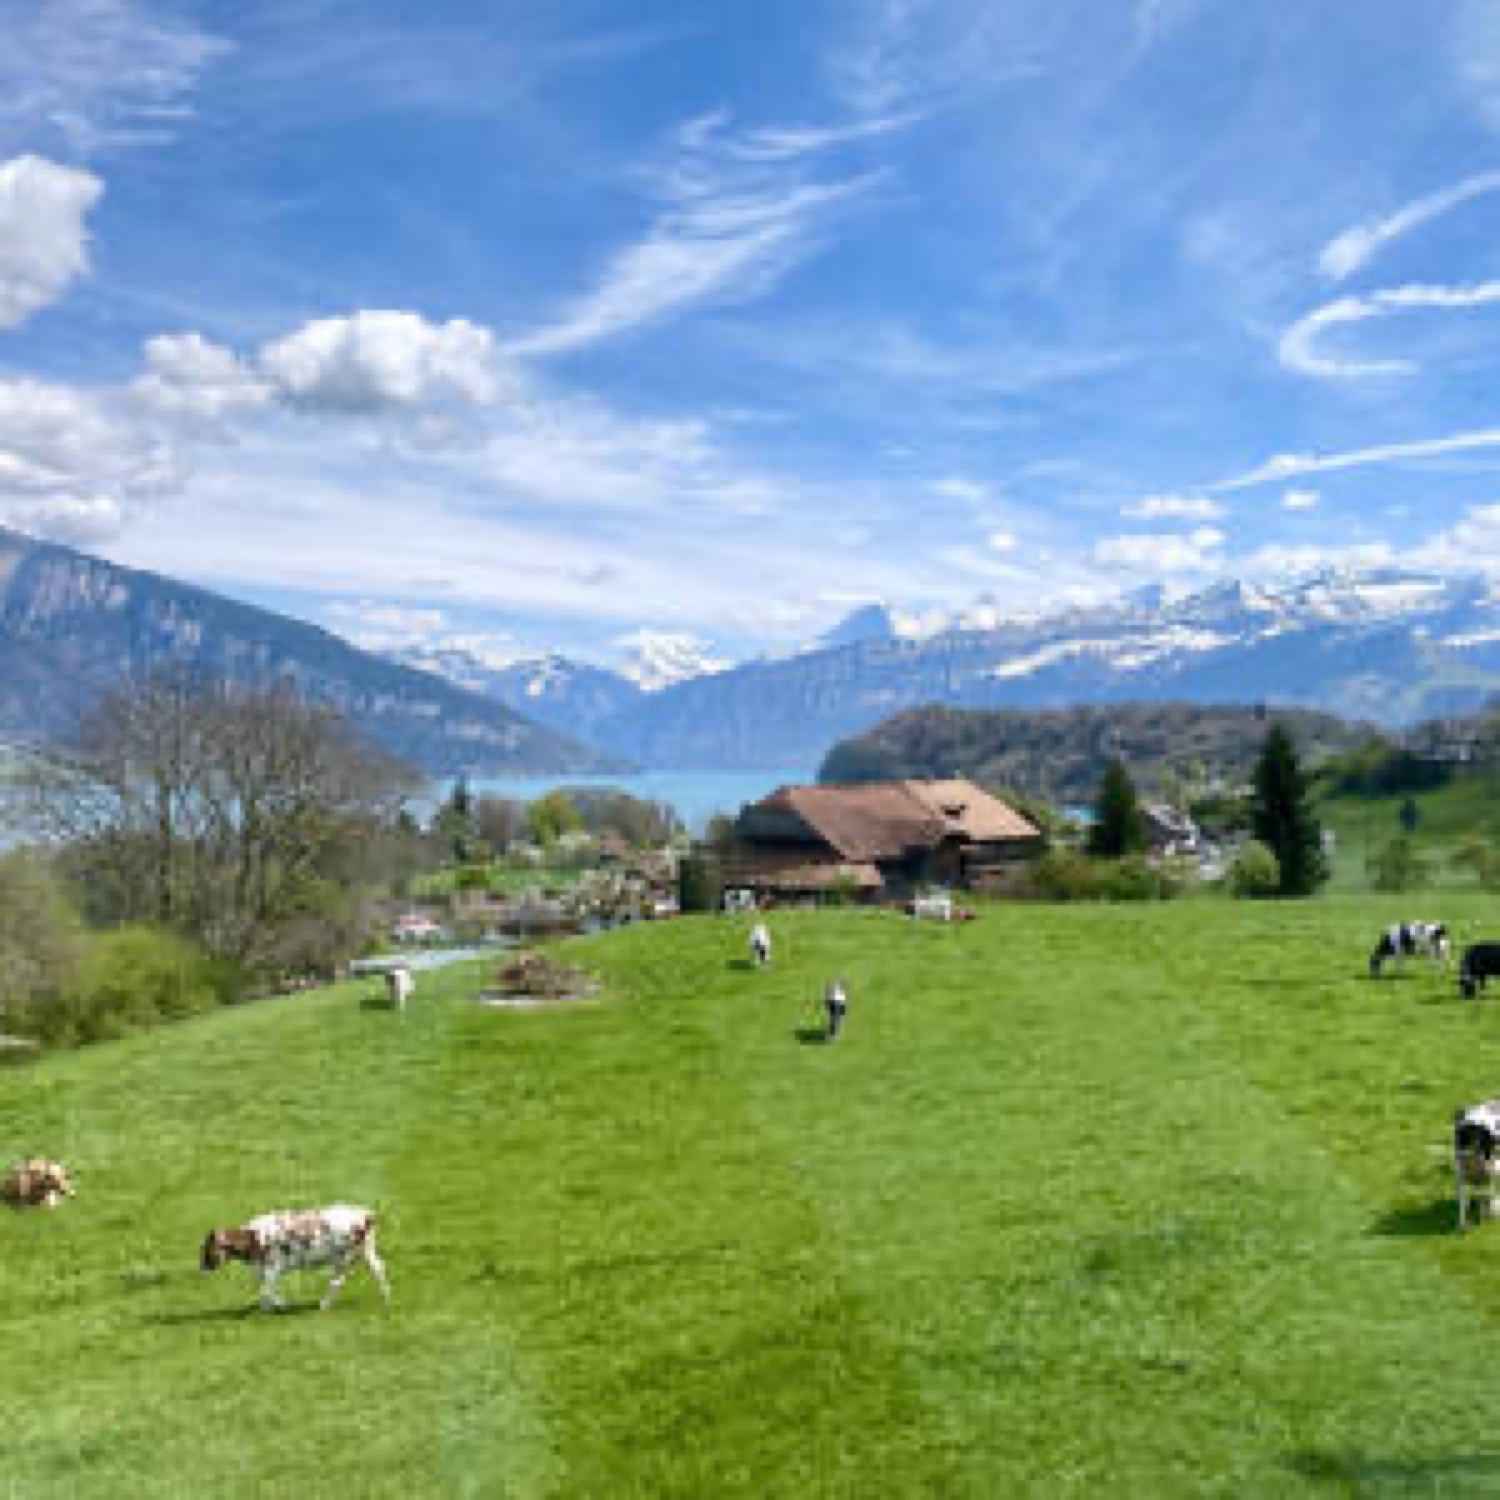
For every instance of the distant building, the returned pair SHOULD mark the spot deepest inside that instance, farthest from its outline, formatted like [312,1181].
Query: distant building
[1170,833]
[878,839]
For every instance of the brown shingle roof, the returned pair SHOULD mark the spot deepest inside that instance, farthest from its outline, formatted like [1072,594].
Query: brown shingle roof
[884,819]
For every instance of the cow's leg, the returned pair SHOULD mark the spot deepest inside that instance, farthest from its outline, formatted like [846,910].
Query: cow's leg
[270,1292]
[341,1272]
[377,1266]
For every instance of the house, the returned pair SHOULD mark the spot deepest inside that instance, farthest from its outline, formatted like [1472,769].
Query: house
[877,839]
[1170,832]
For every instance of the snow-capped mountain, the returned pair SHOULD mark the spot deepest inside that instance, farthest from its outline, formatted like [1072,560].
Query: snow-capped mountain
[1385,645]
[657,659]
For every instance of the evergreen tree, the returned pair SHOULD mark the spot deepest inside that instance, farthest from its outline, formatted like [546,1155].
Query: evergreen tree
[1119,825]
[1282,816]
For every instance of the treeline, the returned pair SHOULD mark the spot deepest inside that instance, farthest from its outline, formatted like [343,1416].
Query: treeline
[1060,755]
[191,843]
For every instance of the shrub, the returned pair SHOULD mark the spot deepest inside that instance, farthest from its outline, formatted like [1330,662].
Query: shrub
[1065,875]
[1397,867]
[1480,856]
[1255,872]
[130,979]
[41,942]
[699,885]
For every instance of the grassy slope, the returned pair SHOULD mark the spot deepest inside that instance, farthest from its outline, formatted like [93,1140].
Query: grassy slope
[1149,1198]
[1470,805]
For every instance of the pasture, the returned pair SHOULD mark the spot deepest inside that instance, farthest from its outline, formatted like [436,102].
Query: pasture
[1138,1200]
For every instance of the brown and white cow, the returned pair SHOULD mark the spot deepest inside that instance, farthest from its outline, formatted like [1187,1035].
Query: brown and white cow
[37,1183]
[300,1240]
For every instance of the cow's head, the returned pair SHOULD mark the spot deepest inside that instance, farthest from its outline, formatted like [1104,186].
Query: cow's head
[215,1250]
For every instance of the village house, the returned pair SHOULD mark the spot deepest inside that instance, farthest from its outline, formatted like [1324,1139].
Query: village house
[881,839]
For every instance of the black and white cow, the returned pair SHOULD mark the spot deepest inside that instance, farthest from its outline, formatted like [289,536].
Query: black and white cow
[1476,1133]
[1410,940]
[1481,963]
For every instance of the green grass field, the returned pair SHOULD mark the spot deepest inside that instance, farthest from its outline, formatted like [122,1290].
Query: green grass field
[1469,806]
[1126,1200]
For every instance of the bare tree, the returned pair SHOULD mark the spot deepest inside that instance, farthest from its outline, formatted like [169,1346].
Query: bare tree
[234,815]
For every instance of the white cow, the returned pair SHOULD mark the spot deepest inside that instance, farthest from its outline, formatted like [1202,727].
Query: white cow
[760,945]
[399,986]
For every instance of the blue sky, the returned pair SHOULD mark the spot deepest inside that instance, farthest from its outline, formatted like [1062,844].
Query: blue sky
[542,325]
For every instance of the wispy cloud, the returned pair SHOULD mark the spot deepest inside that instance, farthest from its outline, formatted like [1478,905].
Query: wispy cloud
[87,76]
[1177,507]
[1284,466]
[1299,347]
[734,220]
[1356,247]
[1163,552]
[1301,500]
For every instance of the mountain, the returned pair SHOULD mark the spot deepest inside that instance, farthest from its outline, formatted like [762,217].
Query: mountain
[72,626]
[870,622]
[662,658]
[1386,645]
[571,697]
[1060,754]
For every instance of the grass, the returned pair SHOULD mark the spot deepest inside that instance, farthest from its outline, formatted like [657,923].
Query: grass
[1467,807]
[1138,1200]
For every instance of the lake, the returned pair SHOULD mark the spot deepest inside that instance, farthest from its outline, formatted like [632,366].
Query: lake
[697,795]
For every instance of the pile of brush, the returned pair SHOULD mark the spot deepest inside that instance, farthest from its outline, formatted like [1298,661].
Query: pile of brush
[535,975]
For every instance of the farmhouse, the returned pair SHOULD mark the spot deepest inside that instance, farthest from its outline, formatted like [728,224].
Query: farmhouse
[878,839]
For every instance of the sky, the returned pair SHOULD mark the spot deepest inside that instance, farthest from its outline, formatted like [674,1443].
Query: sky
[580,325]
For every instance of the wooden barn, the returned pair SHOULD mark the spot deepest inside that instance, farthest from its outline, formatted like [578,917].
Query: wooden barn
[878,839]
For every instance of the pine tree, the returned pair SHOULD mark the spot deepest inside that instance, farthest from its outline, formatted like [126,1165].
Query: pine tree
[1119,825]
[1282,817]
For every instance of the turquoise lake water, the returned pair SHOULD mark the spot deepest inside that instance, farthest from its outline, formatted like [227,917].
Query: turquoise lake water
[697,795]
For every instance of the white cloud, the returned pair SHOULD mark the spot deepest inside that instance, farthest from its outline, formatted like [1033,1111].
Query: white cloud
[188,376]
[1003,541]
[965,491]
[1283,466]
[373,361]
[1281,562]
[1301,500]
[43,242]
[1163,552]
[71,468]
[1299,344]
[91,75]
[1176,507]
[734,219]
[1356,247]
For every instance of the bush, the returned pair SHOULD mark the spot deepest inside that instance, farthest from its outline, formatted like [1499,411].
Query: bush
[1255,873]
[41,942]
[1065,875]
[131,979]
[1397,867]
[1480,856]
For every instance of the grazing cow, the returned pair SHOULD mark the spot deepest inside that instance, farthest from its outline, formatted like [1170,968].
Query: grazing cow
[938,908]
[1408,940]
[37,1183]
[760,945]
[298,1240]
[1475,1133]
[1481,962]
[399,986]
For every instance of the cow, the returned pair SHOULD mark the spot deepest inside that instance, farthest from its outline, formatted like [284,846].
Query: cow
[399,986]
[836,1004]
[1408,940]
[1476,1131]
[299,1240]
[37,1183]
[760,945]
[1481,962]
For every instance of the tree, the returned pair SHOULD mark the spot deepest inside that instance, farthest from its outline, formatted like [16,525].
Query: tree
[552,816]
[1397,867]
[699,885]
[1282,816]
[41,941]
[1119,826]
[455,823]
[234,816]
